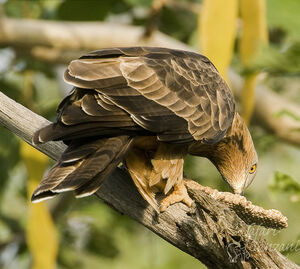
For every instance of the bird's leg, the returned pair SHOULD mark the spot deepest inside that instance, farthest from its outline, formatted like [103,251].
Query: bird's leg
[140,168]
[167,173]
[179,194]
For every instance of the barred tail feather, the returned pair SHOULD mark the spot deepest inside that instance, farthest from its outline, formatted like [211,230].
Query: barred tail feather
[83,167]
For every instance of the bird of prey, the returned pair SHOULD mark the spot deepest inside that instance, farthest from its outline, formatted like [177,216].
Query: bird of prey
[148,108]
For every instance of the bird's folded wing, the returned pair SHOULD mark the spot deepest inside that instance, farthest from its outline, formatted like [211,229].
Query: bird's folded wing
[178,95]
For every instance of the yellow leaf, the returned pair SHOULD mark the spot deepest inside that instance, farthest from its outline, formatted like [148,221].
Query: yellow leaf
[254,34]
[254,28]
[248,96]
[40,232]
[217,31]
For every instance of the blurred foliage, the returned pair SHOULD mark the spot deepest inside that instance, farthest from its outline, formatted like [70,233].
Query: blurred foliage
[281,57]
[89,10]
[288,113]
[278,61]
[263,139]
[140,3]
[9,157]
[92,235]
[282,15]
[179,23]
[284,184]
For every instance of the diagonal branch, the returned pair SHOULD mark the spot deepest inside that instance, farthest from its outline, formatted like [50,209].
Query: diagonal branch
[209,231]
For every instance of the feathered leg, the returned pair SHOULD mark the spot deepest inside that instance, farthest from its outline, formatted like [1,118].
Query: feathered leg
[161,170]
[168,164]
[140,169]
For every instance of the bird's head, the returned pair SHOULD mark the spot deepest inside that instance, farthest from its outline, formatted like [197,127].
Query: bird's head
[235,156]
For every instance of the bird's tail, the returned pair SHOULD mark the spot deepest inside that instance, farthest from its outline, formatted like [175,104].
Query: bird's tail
[83,167]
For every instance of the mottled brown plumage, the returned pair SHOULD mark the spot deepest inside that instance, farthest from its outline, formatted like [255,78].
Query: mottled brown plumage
[147,107]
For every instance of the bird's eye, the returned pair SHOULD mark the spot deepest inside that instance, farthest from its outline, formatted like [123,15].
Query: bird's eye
[253,168]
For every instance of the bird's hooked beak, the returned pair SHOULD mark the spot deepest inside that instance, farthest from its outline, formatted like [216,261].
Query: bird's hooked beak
[240,192]
[236,186]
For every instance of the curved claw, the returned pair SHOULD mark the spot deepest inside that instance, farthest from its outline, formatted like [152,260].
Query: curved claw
[179,194]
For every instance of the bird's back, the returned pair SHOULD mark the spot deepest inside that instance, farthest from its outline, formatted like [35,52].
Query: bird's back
[123,93]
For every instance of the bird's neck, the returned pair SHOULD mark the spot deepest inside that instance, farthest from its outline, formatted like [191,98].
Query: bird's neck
[202,150]
[232,136]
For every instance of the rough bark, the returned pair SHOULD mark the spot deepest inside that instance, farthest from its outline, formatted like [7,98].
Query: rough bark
[209,231]
[60,42]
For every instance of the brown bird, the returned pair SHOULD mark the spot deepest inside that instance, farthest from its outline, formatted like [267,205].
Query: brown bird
[148,108]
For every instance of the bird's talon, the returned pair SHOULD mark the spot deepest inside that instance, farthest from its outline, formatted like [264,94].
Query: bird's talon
[178,195]
[188,201]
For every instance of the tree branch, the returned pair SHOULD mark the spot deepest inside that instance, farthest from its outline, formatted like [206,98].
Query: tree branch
[61,42]
[35,37]
[209,231]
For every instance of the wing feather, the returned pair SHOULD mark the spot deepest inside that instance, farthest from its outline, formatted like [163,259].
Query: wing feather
[83,167]
[153,85]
